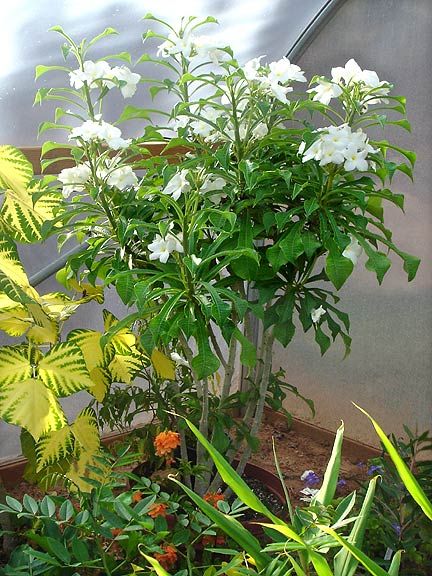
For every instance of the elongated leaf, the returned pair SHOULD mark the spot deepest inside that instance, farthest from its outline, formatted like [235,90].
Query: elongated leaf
[230,526]
[155,565]
[371,566]
[327,491]
[404,472]
[345,563]
[232,479]
[320,564]
[395,564]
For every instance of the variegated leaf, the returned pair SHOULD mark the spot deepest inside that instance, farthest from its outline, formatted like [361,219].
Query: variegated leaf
[15,365]
[23,217]
[28,403]
[86,431]
[64,370]
[164,366]
[124,368]
[10,264]
[54,446]
[89,343]
[101,378]
[15,169]
[87,446]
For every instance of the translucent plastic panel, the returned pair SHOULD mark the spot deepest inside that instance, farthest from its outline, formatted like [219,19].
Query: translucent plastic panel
[390,366]
[252,27]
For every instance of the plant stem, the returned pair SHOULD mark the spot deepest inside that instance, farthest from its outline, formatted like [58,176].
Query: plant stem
[267,349]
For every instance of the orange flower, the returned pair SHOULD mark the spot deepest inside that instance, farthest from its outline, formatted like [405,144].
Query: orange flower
[166,442]
[168,559]
[116,532]
[136,496]
[157,510]
[213,498]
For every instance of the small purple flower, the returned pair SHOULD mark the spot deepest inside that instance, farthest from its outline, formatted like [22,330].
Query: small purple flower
[397,528]
[341,483]
[375,469]
[310,478]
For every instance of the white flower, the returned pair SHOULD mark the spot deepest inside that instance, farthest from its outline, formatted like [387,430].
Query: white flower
[317,313]
[175,45]
[122,178]
[339,145]
[207,47]
[325,91]
[279,91]
[250,69]
[73,179]
[100,130]
[213,184]
[177,185]
[161,248]
[197,261]
[201,128]
[260,130]
[127,79]
[179,360]
[356,160]
[309,493]
[283,71]
[353,250]
[352,73]
[92,72]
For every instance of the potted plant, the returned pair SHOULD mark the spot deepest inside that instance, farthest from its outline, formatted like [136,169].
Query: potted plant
[251,215]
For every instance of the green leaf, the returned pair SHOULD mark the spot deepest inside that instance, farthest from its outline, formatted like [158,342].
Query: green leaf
[230,526]
[379,263]
[40,70]
[133,112]
[14,503]
[80,550]
[411,264]
[30,504]
[395,564]
[338,268]
[369,564]
[310,205]
[292,245]
[232,479]
[404,472]
[322,339]
[66,511]
[106,32]
[248,350]
[327,491]
[344,562]
[310,243]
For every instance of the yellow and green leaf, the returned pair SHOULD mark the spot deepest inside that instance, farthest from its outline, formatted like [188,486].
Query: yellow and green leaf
[164,366]
[54,446]
[15,169]
[64,370]
[28,403]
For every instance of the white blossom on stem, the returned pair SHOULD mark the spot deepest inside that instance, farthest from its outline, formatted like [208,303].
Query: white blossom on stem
[324,91]
[353,251]
[178,185]
[162,247]
[316,314]
[74,179]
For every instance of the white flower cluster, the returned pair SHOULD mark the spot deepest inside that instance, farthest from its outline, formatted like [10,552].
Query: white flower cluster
[102,131]
[190,46]
[371,89]
[74,179]
[179,184]
[96,74]
[274,78]
[339,145]
[162,247]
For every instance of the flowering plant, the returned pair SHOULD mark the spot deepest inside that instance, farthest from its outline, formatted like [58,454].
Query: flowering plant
[251,212]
